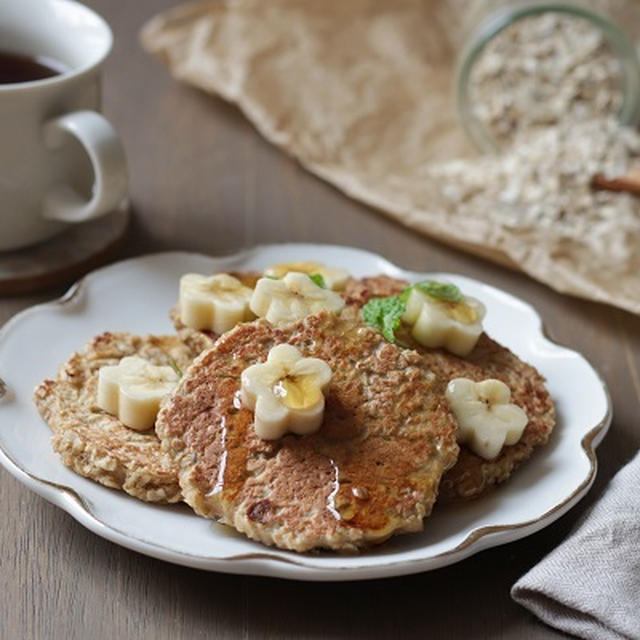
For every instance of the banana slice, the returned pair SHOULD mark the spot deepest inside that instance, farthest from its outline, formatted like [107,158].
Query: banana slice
[486,419]
[292,298]
[334,278]
[456,326]
[217,303]
[132,391]
[286,393]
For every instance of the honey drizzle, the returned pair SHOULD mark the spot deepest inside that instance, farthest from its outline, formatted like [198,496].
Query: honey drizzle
[331,499]
[219,485]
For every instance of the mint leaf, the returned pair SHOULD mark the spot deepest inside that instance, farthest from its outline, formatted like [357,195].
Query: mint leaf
[384,314]
[318,279]
[404,295]
[440,290]
[174,365]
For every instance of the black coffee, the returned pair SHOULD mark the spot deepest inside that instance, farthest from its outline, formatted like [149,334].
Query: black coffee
[18,68]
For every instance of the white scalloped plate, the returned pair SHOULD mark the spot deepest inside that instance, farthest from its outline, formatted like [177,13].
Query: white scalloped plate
[136,295]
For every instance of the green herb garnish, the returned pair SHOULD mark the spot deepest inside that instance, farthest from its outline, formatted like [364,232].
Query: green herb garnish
[384,314]
[267,275]
[439,290]
[318,279]
[404,295]
[174,365]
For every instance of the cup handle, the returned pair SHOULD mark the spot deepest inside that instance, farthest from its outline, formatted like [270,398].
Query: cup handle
[105,151]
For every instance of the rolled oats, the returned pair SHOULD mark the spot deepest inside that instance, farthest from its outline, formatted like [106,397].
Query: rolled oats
[541,71]
[545,180]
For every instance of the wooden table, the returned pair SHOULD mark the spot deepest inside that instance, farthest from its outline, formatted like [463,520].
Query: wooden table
[203,180]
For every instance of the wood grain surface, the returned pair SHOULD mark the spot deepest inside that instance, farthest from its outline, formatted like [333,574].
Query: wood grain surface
[203,180]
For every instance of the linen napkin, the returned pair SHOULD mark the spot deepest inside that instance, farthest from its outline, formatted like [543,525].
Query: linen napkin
[589,586]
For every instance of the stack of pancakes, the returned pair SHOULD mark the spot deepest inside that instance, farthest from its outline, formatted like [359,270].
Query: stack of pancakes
[386,450]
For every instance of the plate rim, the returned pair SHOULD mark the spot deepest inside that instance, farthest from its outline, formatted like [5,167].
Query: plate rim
[262,562]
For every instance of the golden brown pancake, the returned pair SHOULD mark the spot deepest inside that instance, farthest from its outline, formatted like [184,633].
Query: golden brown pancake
[372,470]
[358,292]
[97,445]
[472,474]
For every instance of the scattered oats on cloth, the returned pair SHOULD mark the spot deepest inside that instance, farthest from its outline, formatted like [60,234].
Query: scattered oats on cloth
[361,93]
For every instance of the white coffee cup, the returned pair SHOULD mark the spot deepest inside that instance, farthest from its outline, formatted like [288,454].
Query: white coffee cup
[53,141]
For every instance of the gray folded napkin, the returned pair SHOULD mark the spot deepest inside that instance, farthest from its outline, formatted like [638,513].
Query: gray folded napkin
[589,586]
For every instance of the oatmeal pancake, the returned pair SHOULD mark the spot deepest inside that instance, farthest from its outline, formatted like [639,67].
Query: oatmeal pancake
[370,471]
[359,291]
[473,474]
[97,445]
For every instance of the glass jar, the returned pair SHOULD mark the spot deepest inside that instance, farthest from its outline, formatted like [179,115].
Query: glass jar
[494,17]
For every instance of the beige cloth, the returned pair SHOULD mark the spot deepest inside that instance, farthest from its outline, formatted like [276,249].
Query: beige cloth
[589,586]
[361,92]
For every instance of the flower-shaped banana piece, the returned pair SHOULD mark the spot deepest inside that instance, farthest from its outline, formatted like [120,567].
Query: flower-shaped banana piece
[286,393]
[454,325]
[217,303]
[334,278]
[486,419]
[132,391]
[292,298]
